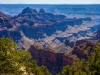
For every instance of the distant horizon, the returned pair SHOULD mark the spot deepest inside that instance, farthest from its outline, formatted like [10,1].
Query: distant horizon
[49,2]
[52,3]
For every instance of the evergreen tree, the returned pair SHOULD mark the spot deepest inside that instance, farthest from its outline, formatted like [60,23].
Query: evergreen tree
[83,67]
[68,70]
[94,62]
[17,62]
[7,65]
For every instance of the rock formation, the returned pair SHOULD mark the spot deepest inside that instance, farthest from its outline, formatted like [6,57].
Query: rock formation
[34,25]
[50,58]
[55,60]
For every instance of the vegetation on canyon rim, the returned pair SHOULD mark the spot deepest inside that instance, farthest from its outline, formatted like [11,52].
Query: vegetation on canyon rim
[18,62]
[89,66]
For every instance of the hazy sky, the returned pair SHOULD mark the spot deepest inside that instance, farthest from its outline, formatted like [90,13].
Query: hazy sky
[51,1]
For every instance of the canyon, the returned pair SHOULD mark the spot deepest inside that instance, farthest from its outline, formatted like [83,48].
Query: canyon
[54,40]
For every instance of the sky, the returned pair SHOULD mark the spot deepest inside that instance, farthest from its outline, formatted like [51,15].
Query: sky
[50,1]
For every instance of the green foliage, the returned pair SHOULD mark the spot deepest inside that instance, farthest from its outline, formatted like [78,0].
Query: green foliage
[6,45]
[31,66]
[45,71]
[94,62]
[7,65]
[68,70]
[21,56]
[36,70]
[83,67]
[12,60]
[79,64]
[79,72]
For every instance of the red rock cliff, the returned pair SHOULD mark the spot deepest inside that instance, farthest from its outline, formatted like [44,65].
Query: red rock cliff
[52,59]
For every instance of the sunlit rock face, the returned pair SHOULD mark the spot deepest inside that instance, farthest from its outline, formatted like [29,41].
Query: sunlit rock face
[50,58]
[55,60]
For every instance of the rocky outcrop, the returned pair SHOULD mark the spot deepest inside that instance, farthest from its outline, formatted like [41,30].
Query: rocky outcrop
[10,34]
[46,20]
[29,11]
[83,49]
[68,43]
[42,11]
[8,28]
[36,24]
[50,58]
[55,60]
[4,21]
[38,32]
